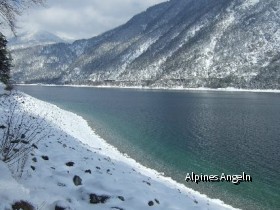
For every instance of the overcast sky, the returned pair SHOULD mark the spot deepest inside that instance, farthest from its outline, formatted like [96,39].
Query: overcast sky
[78,19]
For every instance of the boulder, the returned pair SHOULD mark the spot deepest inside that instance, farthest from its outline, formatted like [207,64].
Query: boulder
[94,199]
[77,180]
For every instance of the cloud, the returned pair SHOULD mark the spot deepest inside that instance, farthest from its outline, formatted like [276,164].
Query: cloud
[82,19]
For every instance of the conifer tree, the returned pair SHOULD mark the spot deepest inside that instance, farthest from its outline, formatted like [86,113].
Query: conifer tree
[5,61]
[9,10]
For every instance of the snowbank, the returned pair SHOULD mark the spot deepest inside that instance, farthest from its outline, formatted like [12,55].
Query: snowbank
[2,88]
[76,169]
[10,190]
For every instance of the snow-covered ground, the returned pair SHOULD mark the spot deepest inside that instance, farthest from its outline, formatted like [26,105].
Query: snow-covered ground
[73,168]
[2,88]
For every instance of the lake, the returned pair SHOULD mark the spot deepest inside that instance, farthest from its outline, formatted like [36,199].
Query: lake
[179,132]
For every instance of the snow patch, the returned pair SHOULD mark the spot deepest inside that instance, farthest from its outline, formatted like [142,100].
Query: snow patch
[249,3]
[2,88]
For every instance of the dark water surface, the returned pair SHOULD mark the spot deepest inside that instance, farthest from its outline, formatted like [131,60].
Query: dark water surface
[177,132]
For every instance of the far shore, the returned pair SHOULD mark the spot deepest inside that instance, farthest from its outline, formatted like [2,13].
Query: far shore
[228,89]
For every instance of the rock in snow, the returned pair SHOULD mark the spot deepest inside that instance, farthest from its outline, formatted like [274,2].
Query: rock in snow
[77,180]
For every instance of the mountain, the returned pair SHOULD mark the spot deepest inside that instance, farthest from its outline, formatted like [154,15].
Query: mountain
[32,39]
[179,43]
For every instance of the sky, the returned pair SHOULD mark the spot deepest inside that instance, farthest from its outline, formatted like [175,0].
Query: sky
[77,19]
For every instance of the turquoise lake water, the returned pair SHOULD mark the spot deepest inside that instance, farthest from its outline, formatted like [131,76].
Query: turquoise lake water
[179,132]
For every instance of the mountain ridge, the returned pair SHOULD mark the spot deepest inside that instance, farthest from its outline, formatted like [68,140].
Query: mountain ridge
[179,43]
[34,38]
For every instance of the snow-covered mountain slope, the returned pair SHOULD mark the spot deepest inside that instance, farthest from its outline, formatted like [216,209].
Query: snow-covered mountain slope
[32,39]
[179,43]
[74,169]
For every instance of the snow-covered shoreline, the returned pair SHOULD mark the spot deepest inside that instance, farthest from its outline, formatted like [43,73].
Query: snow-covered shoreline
[228,89]
[123,175]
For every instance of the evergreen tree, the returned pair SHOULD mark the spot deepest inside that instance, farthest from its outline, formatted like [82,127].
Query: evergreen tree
[5,61]
[9,10]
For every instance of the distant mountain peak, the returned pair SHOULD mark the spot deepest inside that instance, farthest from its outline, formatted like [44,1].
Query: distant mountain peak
[33,38]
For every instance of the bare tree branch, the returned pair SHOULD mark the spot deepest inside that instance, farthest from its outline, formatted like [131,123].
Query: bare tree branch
[10,9]
[20,131]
